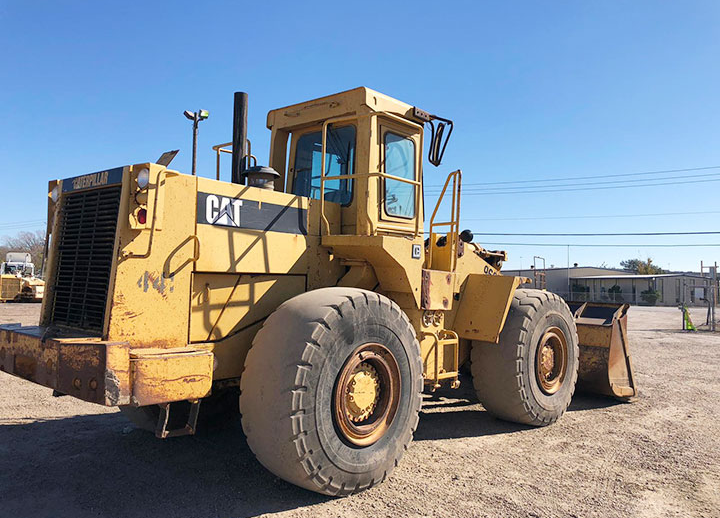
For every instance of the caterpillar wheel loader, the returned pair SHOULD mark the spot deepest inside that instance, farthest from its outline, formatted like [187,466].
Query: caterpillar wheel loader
[309,287]
[17,279]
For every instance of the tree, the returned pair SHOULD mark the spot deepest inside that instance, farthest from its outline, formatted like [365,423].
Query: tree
[642,267]
[29,242]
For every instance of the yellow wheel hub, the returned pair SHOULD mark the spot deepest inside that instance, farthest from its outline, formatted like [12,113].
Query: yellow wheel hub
[366,394]
[551,360]
[547,361]
[362,392]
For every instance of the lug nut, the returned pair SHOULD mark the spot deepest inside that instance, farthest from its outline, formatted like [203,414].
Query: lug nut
[77,383]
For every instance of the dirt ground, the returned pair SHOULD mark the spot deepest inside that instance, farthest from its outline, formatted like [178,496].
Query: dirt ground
[657,457]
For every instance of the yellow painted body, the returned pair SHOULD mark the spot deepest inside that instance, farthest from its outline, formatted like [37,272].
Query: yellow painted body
[10,287]
[187,295]
[21,289]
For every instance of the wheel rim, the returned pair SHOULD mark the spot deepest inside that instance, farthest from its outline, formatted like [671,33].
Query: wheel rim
[366,395]
[551,360]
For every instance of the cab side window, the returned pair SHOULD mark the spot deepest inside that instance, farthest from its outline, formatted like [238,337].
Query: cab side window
[399,161]
[339,160]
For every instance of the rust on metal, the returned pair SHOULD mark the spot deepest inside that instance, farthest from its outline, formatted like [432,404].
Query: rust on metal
[163,375]
[437,289]
[87,368]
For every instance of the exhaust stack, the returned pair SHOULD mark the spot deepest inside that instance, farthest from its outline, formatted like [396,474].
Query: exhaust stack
[239,137]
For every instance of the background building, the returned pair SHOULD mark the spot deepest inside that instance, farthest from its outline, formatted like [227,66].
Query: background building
[610,284]
[559,280]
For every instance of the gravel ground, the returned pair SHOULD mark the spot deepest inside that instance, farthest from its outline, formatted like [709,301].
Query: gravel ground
[657,457]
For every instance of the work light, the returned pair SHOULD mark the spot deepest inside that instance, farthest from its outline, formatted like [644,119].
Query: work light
[143,178]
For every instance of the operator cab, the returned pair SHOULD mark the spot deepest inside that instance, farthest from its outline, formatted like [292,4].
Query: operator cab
[372,159]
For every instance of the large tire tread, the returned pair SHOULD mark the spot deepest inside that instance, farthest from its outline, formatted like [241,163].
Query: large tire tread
[295,455]
[500,371]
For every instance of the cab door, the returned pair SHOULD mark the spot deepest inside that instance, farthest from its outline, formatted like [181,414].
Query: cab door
[400,203]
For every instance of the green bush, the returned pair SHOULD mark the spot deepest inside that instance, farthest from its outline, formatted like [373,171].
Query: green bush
[650,296]
[579,292]
[615,294]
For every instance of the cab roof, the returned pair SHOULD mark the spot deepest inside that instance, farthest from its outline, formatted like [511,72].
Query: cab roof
[359,101]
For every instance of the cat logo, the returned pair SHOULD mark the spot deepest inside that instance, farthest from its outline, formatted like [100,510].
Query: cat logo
[220,210]
[236,213]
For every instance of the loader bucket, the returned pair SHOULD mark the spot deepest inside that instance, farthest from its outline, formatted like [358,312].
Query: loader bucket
[605,366]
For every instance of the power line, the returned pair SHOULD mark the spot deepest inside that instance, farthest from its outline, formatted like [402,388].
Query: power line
[12,229]
[582,184]
[646,173]
[698,233]
[22,223]
[603,245]
[598,216]
[539,191]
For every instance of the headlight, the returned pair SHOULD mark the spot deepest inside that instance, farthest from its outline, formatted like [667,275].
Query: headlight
[55,193]
[143,178]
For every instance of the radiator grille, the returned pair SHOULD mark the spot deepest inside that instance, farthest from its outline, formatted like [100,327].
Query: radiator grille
[85,244]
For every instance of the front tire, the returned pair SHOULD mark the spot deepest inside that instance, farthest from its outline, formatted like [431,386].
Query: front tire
[331,390]
[529,376]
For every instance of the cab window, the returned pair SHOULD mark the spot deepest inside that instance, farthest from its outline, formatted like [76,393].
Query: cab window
[399,161]
[339,160]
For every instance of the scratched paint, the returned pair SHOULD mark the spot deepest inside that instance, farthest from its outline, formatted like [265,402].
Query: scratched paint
[156,281]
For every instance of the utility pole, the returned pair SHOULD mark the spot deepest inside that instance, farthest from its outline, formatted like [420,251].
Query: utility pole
[568,273]
[713,292]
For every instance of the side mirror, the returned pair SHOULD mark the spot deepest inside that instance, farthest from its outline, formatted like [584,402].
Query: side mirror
[437,144]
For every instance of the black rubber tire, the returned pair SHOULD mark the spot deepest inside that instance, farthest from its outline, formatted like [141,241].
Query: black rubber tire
[504,373]
[215,410]
[287,386]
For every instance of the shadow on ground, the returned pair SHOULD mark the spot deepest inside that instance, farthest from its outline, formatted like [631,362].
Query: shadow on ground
[469,419]
[99,465]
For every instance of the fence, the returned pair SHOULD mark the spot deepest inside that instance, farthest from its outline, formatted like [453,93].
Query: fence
[637,298]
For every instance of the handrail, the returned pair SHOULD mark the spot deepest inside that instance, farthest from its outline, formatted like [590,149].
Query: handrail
[326,123]
[379,174]
[454,222]
[222,148]
[374,173]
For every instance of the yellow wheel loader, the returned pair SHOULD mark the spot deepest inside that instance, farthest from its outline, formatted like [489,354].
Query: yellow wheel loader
[314,287]
[17,279]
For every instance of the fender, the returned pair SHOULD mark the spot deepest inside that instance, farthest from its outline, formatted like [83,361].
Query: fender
[484,305]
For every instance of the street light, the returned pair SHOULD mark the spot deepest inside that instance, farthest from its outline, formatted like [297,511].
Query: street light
[196,117]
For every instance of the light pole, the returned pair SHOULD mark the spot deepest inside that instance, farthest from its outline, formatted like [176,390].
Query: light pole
[196,117]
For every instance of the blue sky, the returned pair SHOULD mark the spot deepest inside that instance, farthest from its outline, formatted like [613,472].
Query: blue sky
[537,90]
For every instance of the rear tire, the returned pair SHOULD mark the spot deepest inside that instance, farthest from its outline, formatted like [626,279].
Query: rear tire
[298,381]
[529,376]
